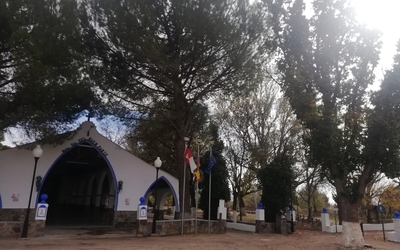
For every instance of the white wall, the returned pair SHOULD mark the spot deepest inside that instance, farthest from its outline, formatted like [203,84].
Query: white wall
[328,227]
[16,169]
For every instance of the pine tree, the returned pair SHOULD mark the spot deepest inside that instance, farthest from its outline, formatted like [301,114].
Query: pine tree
[180,52]
[43,83]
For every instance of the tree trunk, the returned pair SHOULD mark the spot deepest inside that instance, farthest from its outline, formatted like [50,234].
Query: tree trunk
[234,205]
[180,165]
[180,125]
[310,215]
[242,206]
[340,211]
[351,230]
[309,202]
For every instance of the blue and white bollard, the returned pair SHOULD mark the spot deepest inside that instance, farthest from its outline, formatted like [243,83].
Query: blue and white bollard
[142,228]
[260,213]
[325,222]
[42,207]
[289,214]
[260,218]
[142,209]
[291,217]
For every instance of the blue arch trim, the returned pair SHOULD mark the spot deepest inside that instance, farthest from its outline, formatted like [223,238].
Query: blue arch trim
[177,207]
[101,152]
[1,203]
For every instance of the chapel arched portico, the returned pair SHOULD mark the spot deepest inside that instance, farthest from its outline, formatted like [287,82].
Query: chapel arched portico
[164,189]
[89,180]
[81,186]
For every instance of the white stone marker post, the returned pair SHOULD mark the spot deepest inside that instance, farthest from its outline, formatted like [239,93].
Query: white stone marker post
[42,207]
[222,210]
[142,218]
[325,220]
[260,217]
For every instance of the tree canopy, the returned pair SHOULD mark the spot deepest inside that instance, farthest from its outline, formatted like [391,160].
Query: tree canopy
[43,85]
[255,130]
[145,52]
[158,64]
[327,64]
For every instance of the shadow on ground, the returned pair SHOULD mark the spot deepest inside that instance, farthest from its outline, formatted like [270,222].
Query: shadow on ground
[51,231]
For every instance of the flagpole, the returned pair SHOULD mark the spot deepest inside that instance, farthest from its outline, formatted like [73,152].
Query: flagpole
[184,185]
[209,195]
[197,185]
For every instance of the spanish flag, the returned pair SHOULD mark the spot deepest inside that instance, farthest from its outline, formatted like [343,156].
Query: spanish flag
[189,160]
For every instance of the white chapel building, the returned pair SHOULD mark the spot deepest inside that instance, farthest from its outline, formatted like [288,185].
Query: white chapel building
[89,180]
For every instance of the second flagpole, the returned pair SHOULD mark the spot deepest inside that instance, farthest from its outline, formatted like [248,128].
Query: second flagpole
[184,185]
[197,185]
[209,194]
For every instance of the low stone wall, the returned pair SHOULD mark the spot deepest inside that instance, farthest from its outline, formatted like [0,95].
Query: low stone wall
[174,227]
[15,214]
[125,219]
[12,220]
[265,227]
[119,219]
[289,227]
[313,225]
[13,229]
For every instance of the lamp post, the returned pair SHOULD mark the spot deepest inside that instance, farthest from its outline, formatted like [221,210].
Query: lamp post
[37,152]
[157,164]
[335,209]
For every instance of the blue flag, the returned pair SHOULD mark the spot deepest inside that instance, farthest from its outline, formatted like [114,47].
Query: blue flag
[211,164]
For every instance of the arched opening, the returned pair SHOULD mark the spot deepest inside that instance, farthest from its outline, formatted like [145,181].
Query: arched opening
[166,199]
[80,188]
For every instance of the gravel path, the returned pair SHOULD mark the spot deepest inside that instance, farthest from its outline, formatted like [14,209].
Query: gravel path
[232,240]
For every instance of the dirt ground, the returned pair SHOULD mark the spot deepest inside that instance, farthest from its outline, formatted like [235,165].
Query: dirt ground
[307,240]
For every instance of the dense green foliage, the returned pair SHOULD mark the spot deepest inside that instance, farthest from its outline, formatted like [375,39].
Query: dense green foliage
[219,177]
[43,86]
[327,65]
[172,55]
[276,182]
[382,145]
[152,135]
